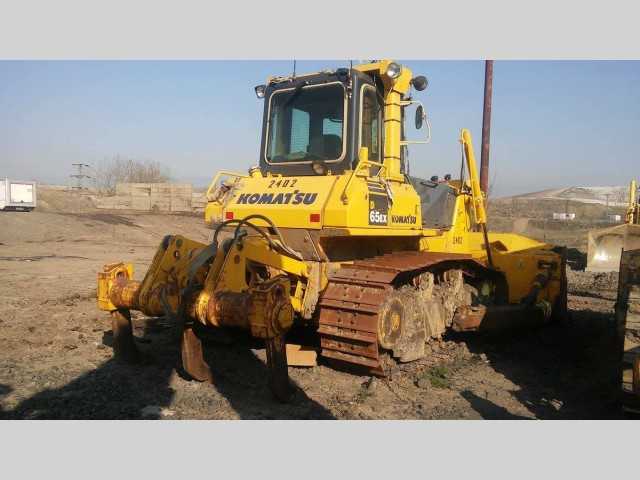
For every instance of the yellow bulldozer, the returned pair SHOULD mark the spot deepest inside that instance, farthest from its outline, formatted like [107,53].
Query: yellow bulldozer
[604,246]
[330,234]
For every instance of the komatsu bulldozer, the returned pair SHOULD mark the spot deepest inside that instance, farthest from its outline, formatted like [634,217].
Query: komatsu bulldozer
[604,246]
[330,234]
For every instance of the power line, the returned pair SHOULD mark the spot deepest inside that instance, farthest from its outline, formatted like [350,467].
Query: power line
[79,176]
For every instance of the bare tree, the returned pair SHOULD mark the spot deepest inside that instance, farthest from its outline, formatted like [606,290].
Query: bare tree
[128,170]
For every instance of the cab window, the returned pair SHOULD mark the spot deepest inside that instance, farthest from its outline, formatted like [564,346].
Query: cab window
[370,122]
[306,124]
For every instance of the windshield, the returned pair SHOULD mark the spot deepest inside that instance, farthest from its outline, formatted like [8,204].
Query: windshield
[306,124]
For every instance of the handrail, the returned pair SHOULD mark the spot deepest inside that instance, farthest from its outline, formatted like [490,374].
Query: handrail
[361,164]
[217,177]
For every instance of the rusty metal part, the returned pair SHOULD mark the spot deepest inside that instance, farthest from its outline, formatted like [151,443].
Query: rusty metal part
[271,313]
[312,291]
[111,273]
[278,370]
[486,127]
[221,308]
[352,305]
[127,294]
[439,302]
[628,330]
[265,309]
[124,293]
[410,345]
[390,316]
[270,318]
[193,356]
[500,317]
[469,318]
[124,347]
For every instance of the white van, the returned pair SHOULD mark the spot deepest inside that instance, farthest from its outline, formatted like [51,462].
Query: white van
[17,195]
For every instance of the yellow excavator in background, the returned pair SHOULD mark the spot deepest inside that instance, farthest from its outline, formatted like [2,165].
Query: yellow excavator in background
[633,210]
[628,330]
[605,245]
[330,233]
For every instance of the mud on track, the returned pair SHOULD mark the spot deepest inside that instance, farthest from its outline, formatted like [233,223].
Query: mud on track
[56,360]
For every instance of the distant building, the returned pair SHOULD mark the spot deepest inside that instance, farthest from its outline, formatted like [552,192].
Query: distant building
[564,216]
[614,218]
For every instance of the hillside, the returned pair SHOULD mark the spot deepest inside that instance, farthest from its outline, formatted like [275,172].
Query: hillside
[611,195]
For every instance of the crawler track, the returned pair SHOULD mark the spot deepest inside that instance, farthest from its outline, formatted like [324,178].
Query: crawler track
[350,304]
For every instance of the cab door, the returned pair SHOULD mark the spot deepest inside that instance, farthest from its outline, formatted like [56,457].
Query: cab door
[370,136]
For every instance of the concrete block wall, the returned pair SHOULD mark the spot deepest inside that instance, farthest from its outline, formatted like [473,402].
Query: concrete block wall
[198,201]
[150,197]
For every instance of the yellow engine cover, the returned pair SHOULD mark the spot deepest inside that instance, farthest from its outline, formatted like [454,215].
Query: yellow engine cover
[359,202]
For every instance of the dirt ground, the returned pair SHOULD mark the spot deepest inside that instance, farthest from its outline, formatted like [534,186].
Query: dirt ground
[56,360]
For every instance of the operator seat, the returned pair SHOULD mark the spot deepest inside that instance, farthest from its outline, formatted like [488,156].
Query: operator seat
[327,147]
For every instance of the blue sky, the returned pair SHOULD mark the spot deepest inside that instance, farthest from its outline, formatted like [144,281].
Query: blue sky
[554,124]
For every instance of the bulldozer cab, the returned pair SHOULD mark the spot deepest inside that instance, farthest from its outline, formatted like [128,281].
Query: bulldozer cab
[320,124]
[315,124]
[329,136]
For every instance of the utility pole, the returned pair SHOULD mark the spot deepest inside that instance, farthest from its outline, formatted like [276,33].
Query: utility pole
[486,127]
[79,176]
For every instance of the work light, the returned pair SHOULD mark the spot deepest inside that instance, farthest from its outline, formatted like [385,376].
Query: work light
[393,70]
[260,89]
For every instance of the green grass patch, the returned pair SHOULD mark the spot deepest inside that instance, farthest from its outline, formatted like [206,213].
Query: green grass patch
[437,376]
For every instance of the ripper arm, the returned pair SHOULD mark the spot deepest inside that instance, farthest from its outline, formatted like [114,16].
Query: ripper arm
[246,285]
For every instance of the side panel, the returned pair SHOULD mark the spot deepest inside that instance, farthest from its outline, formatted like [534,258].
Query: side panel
[17,194]
[361,205]
[21,193]
[3,193]
[366,203]
[296,202]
